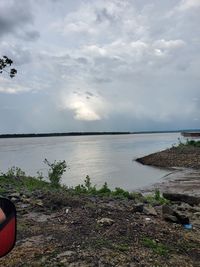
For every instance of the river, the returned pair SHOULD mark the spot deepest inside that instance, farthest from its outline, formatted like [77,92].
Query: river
[107,158]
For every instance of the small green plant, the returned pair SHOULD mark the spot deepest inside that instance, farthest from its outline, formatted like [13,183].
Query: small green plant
[119,192]
[104,190]
[188,142]
[156,198]
[14,172]
[155,246]
[40,176]
[86,188]
[157,195]
[57,168]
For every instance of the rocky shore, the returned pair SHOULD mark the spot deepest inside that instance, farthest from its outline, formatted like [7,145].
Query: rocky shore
[181,156]
[59,228]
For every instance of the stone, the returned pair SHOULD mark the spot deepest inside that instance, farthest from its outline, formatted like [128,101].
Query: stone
[15,195]
[169,214]
[39,203]
[149,210]
[138,207]
[105,221]
[192,200]
[67,253]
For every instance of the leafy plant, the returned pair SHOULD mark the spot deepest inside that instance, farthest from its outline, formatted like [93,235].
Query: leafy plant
[104,190]
[155,246]
[14,172]
[4,63]
[156,198]
[57,168]
[40,175]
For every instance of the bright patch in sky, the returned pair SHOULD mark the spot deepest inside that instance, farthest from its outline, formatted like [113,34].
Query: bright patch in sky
[100,65]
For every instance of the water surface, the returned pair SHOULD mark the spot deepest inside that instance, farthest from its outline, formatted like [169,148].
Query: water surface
[104,158]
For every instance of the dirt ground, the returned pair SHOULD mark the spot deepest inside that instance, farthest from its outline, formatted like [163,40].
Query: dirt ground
[61,230]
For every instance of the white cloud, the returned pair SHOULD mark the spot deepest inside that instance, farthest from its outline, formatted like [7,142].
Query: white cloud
[85,107]
[187,4]
[136,57]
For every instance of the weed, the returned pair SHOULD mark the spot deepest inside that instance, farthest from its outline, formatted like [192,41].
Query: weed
[155,246]
[104,190]
[14,172]
[156,198]
[57,168]
[121,247]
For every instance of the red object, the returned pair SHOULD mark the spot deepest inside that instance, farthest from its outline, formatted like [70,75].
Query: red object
[7,228]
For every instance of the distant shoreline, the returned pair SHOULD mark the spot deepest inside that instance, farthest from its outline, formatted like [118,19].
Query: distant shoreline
[79,134]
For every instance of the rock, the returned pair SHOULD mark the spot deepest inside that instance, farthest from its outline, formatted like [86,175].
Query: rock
[39,203]
[38,217]
[138,207]
[105,221]
[15,195]
[67,253]
[170,214]
[192,200]
[197,214]
[14,199]
[149,210]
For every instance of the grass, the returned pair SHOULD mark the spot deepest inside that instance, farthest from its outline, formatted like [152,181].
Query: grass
[156,198]
[158,248]
[188,143]
[17,179]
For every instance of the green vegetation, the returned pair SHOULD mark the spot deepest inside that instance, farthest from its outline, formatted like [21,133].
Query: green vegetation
[17,178]
[15,172]
[88,189]
[57,168]
[193,143]
[188,143]
[155,246]
[156,198]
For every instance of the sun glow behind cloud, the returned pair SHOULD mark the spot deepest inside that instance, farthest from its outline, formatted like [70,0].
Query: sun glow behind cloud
[133,64]
[84,106]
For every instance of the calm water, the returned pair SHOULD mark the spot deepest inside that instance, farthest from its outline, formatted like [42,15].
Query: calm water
[103,158]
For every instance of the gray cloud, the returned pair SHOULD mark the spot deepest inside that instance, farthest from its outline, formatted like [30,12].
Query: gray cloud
[15,17]
[117,65]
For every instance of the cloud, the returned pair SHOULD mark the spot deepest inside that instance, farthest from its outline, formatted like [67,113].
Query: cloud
[104,64]
[188,4]
[17,18]
[85,109]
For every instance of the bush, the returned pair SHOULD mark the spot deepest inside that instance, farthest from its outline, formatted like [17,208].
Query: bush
[14,172]
[86,188]
[119,192]
[104,190]
[57,168]
[156,198]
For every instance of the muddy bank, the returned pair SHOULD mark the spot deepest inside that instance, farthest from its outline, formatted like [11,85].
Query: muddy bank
[183,156]
[56,228]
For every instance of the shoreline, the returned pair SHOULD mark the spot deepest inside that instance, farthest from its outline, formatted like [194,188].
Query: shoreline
[59,226]
[184,163]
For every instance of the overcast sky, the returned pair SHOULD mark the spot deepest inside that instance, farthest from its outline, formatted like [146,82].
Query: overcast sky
[95,65]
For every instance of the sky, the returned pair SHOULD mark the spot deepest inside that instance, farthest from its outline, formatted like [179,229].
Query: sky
[100,65]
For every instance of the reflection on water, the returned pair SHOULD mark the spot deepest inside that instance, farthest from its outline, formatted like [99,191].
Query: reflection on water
[103,158]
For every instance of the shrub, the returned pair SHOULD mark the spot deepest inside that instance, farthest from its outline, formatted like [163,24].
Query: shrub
[57,168]
[119,192]
[14,172]
[156,198]
[104,190]
[86,188]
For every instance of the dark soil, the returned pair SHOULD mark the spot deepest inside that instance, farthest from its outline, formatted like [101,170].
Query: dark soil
[58,229]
